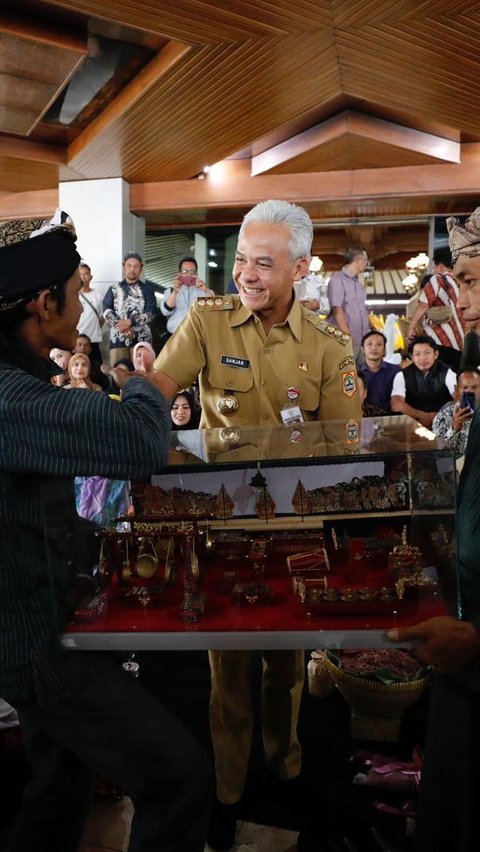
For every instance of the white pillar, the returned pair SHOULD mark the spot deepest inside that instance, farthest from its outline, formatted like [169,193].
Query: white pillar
[201,257]
[106,229]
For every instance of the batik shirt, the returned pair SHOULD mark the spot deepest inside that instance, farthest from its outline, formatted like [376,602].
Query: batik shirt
[442,426]
[135,302]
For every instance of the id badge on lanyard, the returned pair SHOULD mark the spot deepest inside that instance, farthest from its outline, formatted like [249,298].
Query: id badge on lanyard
[291,412]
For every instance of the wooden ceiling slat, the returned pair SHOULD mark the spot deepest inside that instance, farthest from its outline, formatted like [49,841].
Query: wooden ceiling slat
[227,86]
[263,70]
[196,21]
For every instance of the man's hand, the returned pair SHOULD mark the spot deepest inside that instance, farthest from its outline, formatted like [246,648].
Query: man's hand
[123,324]
[120,375]
[176,283]
[443,642]
[460,416]
[310,304]
[426,418]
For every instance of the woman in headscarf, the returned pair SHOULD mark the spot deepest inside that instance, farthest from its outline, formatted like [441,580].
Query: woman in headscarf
[183,411]
[143,357]
[79,368]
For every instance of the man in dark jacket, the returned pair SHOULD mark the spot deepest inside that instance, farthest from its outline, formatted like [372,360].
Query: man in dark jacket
[424,386]
[80,713]
[448,813]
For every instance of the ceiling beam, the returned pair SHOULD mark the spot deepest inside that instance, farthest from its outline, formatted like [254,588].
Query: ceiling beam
[28,205]
[35,30]
[37,152]
[355,124]
[229,184]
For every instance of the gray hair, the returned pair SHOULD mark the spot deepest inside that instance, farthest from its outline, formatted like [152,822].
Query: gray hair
[284,213]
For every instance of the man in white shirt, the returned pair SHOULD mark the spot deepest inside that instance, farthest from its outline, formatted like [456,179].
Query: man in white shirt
[186,288]
[91,319]
[424,386]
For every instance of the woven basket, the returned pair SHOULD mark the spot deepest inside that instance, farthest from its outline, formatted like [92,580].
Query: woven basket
[376,707]
[320,683]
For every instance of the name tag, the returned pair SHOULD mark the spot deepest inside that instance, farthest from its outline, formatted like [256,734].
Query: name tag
[230,361]
[292,414]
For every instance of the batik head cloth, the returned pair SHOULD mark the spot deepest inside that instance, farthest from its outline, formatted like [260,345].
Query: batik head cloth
[464,239]
[35,255]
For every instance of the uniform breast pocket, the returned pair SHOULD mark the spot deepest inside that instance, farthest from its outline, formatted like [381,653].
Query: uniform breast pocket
[232,379]
[309,399]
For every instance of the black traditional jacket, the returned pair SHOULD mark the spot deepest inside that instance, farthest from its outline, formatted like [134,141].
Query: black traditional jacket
[48,434]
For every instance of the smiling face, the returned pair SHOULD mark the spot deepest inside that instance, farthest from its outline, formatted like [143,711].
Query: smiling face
[263,271]
[467,274]
[61,357]
[181,412]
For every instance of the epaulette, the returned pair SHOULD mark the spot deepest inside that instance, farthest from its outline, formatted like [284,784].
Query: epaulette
[333,331]
[215,303]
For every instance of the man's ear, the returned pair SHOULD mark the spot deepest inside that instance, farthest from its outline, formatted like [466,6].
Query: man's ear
[301,268]
[40,305]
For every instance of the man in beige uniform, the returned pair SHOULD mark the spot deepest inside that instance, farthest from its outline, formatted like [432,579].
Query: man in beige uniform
[262,359]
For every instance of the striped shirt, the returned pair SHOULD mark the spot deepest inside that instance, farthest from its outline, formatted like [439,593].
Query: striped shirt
[442,291]
[47,435]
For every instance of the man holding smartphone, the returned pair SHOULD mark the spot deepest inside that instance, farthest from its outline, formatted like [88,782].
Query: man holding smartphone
[186,288]
[452,422]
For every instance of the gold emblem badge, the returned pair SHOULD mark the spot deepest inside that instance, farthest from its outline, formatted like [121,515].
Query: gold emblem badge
[303,366]
[227,404]
[229,436]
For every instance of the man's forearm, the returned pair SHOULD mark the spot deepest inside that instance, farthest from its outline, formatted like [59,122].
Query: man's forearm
[399,405]
[164,383]
[341,319]
[420,312]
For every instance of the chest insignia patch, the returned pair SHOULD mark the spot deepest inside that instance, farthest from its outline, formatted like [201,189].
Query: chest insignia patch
[351,432]
[231,361]
[349,361]
[349,384]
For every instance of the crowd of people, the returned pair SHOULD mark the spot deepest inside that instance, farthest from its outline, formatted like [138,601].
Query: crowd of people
[80,712]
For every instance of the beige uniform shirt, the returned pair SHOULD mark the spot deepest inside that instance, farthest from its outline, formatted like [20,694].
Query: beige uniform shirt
[225,344]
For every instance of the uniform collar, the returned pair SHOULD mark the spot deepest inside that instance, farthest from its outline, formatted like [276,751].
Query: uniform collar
[294,318]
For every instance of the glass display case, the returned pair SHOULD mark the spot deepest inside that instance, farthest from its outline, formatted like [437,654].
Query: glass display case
[308,535]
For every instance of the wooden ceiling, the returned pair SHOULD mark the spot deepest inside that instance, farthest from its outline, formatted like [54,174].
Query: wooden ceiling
[355,108]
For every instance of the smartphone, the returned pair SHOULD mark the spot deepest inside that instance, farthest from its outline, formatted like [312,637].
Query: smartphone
[467,400]
[189,280]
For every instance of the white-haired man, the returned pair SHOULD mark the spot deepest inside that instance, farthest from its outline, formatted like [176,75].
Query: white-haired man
[259,355]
